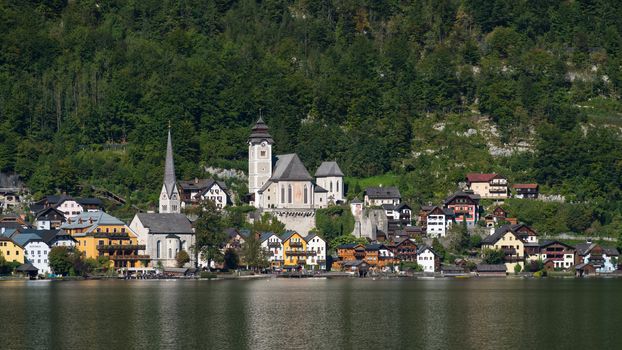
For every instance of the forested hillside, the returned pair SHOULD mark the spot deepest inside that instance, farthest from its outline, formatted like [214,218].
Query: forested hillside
[425,90]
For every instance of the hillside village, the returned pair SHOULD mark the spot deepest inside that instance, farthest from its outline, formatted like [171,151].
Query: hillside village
[470,232]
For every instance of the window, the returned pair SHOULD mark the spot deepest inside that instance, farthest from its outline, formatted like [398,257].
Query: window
[282,194]
[158,249]
[170,253]
[331,186]
[289,193]
[163,208]
[263,153]
[306,195]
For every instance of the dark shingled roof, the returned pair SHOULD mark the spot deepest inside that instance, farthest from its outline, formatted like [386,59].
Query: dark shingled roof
[382,192]
[328,169]
[424,247]
[290,168]
[165,222]
[320,189]
[260,133]
[491,268]
[27,267]
[472,196]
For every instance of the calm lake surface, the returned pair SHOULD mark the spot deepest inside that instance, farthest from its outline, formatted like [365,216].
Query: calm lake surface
[312,314]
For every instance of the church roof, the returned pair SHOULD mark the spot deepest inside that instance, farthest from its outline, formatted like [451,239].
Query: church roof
[260,133]
[328,169]
[290,168]
[169,167]
[165,222]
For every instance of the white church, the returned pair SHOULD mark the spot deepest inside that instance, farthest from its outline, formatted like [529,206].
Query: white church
[282,185]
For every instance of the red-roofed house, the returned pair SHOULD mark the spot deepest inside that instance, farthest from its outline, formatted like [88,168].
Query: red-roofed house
[491,186]
[526,190]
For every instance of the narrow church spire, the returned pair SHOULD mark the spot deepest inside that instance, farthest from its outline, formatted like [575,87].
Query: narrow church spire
[169,165]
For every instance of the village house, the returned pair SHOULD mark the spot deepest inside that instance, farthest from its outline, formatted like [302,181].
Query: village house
[404,249]
[36,251]
[377,196]
[348,253]
[510,243]
[428,259]
[526,191]
[273,245]
[295,250]
[69,206]
[488,186]
[436,221]
[164,235]
[197,190]
[316,244]
[56,238]
[465,206]
[10,250]
[558,254]
[49,218]
[10,198]
[100,234]
[604,259]
[376,256]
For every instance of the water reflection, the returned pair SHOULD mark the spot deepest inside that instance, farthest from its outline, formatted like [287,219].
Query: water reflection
[311,314]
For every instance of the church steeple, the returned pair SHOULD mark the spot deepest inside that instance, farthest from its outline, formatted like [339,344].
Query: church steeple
[169,195]
[169,165]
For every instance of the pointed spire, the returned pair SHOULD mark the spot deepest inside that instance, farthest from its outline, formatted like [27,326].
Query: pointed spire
[169,165]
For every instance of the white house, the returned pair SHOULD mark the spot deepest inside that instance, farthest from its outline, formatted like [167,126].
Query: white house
[604,259]
[36,251]
[216,192]
[272,244]
[438,221]
[49,218]
[428,259]
[376,196]
[69,207]
[164,235]
[317,246]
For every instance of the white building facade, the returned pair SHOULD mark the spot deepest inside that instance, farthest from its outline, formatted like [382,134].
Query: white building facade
[316,245]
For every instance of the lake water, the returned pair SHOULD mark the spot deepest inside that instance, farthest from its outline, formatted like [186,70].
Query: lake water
[313,314]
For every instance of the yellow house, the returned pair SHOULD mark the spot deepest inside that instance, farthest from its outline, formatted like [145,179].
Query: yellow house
[10,250]
[294,250]
[100,234]
[509,242]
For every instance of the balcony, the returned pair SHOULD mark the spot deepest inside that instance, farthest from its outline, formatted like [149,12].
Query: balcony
[300,253]
[131,257]
[295,244]
[498,190]
[121,247]
[275,244]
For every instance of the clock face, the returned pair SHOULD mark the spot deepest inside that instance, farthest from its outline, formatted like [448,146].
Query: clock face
[263,144]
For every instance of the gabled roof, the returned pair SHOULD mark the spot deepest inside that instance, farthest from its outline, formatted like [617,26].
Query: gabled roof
[382,192]
[548,243]
[356,200]
[425,247]
[91,220]
[375,246]
[388,206]
[27,267]
[327,169]
[90,201]
[289,167]
[24,238]
[478,177]
[159,223]
[499,233]
[532,186]
[320,189]
[312,236]
[211,183]
[265,235]
[49,236]
[474,197]
[348,246]
[47,211]
[491,268]
[288,234]
[7,239]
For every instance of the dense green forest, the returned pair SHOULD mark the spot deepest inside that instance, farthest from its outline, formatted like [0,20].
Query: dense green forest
[421,89]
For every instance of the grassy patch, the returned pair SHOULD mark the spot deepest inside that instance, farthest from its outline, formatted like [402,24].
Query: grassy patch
[374,181]
[603,110]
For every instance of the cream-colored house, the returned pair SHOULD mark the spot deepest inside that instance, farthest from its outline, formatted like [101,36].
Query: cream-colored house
[490,186]
[509,242]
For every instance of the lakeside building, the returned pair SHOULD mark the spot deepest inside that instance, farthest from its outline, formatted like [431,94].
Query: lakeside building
[488,186]
[273,245]
[428,259]
[100,234]
[557,254]
[509,242]
[164,235]
[36,250]
[604,259]
[10,250]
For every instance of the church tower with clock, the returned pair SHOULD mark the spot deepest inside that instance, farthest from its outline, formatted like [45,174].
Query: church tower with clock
[259,159]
